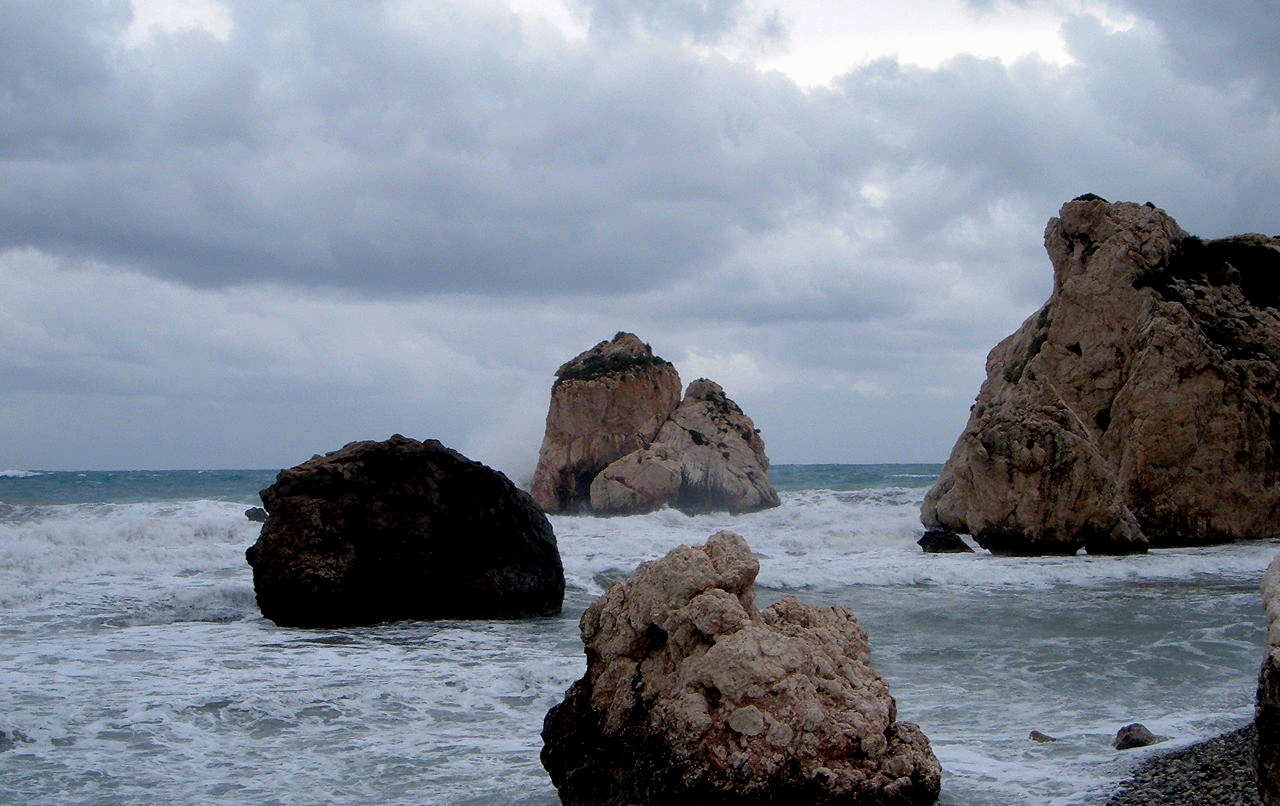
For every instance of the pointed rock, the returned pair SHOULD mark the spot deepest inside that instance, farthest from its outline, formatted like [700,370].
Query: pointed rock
[1140,406]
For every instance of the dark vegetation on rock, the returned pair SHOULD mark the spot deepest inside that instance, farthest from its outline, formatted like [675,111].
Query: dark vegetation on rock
[401,529]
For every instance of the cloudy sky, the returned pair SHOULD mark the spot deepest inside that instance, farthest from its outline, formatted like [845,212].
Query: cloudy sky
[234,234]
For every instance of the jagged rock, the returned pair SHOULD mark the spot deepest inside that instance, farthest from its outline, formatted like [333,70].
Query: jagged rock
[256,514]
[692,696]
[401,529]
[1140,406]
[1267,712]
[607,402]
[708,456]
[1134,735]
[938,541]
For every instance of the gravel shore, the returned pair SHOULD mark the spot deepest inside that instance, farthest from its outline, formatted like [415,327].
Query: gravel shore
[1215,772]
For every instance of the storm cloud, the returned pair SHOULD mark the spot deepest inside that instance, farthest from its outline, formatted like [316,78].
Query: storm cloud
[332,220]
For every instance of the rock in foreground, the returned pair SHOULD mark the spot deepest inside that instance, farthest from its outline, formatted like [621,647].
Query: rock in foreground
[1139,407]
[692,696]
[401,529]
[1267,711]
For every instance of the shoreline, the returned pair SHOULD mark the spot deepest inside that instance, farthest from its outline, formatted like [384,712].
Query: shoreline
[1214,772]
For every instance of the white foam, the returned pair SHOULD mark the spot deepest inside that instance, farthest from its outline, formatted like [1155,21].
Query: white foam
[19,474]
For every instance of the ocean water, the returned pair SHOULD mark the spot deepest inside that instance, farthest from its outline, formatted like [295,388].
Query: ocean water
[136,668]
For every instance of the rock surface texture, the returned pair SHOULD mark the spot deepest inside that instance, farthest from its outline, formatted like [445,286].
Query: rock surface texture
[692,696]
[1267,712]
[707,456]
[401,529]
[606,403]
[617,443]
[1139,407]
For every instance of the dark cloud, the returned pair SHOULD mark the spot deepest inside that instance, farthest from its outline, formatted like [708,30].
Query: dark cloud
[406,215]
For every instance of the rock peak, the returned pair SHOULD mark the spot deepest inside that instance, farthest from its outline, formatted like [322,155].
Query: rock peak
[624,351]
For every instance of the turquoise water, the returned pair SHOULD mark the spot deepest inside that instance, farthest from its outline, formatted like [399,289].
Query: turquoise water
[241,486]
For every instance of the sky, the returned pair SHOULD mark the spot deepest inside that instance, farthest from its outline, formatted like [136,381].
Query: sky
[236,234]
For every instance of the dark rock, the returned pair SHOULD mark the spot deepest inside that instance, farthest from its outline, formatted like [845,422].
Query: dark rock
[256,514]
[1134,735]
[397,530]
[1037,736]
[940,541]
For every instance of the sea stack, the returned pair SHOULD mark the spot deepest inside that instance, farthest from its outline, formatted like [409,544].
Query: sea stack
[1267,712]
[1139,407]
[401,529]
[606,403]
[603,453]
[693,696]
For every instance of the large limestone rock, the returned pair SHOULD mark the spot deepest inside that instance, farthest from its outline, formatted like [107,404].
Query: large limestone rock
[607,402]
[707,457]
[692,696]
[1267,713]
[1139,407]
[401,529]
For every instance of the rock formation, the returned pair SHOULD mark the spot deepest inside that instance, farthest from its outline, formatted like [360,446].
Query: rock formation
[256,514]
[401,529]
[607,402]
[692,696]
[707,457]
[617,443]
[1139,407]
[1267,712]
[936,541]
[1134,735]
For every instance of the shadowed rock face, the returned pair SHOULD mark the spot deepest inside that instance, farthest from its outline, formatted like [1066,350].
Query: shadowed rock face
[692,696]
[617,443]
[1139,407]
[706,457]
[1267,713]
[401,529]
[607,402]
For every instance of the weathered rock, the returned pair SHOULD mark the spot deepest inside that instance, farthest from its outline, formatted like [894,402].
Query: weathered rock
[1267,712]
[1140,406]
[401,529]
[692,696]
[256,514]
[607,402]
[708,456]
[1134,735]
[939,541]
[1043,738]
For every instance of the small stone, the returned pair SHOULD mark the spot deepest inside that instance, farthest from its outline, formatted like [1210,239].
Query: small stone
[779,735]
[1037,736]
[749,721]
[1134,735]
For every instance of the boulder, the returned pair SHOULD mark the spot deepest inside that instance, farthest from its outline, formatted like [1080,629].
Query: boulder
[1043,738]
[1139,407]
[607,402]
[256,514]
[708,456]
[1134,735]
[693,696]
[1267,712]
[937,541]
[397,530]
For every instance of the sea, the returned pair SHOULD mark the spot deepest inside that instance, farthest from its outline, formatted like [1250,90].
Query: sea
[135,667]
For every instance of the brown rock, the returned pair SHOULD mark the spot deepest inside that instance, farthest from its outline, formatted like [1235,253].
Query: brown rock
[1267,712]
[1043,738]
[401,529]
[708,456]
[692,696]
[607,402]
[1140,406]
[1134,735]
